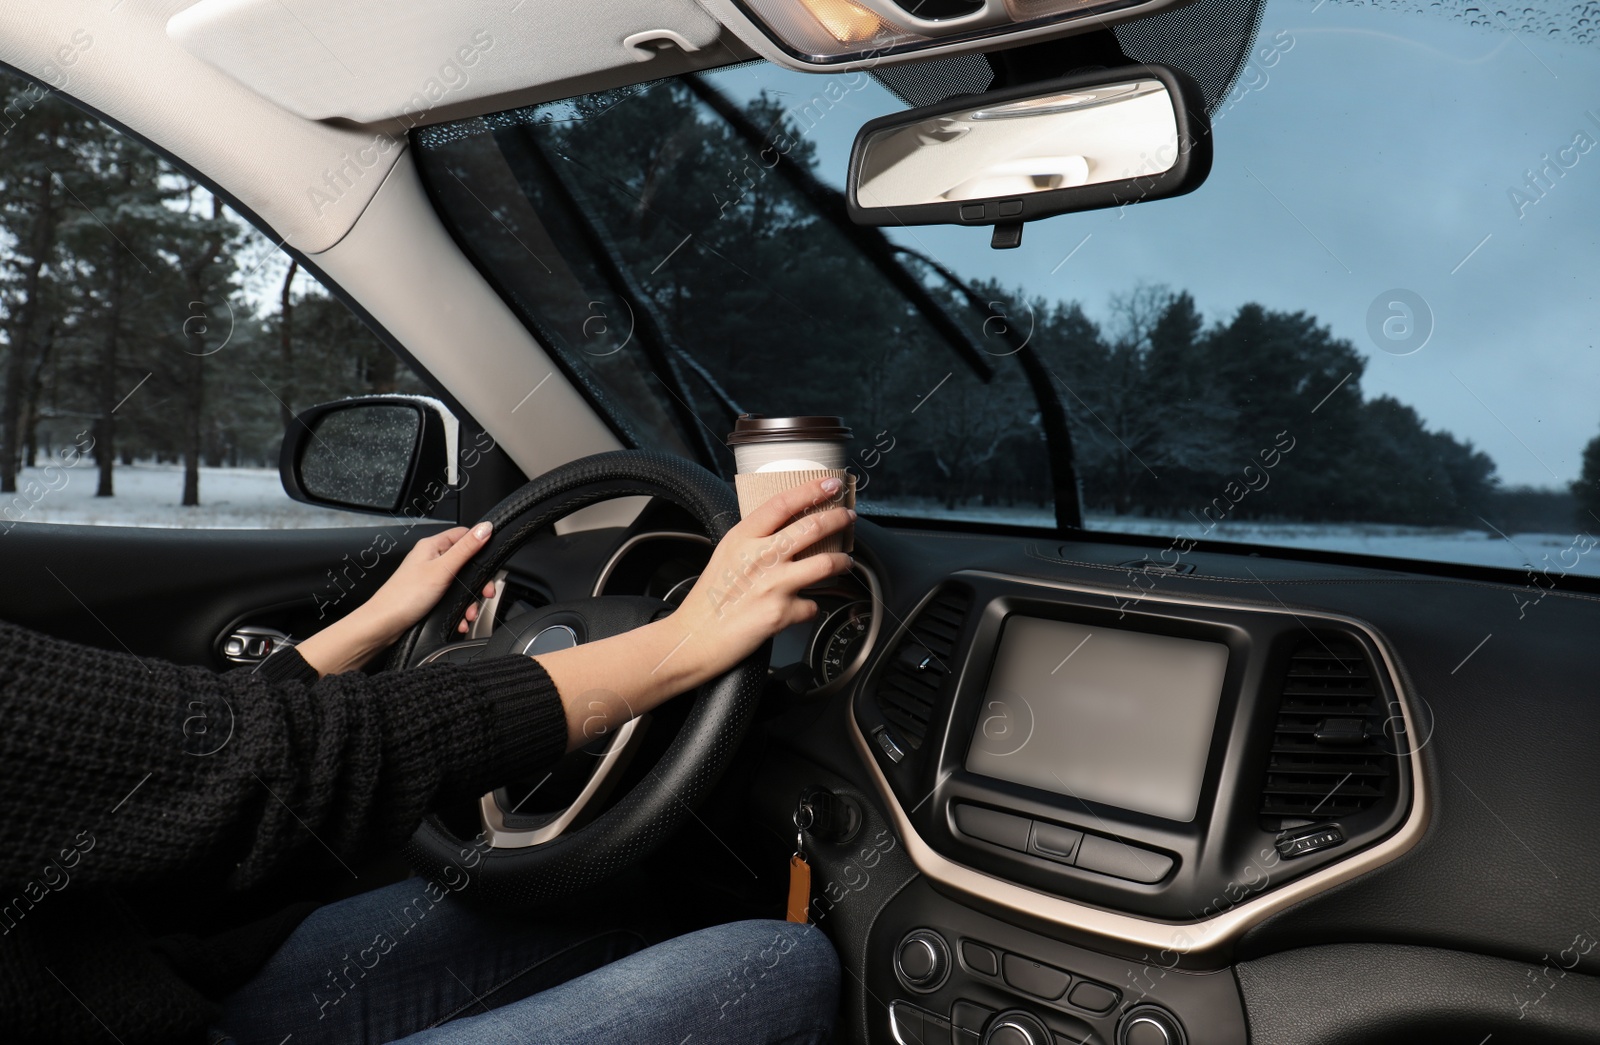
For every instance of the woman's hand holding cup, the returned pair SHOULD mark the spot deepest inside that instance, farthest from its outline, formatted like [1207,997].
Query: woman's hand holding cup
[750,589]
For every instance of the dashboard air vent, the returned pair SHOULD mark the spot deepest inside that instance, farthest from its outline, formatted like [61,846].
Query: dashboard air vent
[1330,758]
[914,678]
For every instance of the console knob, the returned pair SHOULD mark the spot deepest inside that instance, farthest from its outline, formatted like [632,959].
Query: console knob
[922,960]
[1149,1025]
[1016,1027]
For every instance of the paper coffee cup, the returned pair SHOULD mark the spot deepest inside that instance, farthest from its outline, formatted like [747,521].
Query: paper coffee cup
[755,488]
[773,454]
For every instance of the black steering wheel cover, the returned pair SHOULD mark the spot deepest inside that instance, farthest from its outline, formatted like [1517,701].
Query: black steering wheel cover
[521,879]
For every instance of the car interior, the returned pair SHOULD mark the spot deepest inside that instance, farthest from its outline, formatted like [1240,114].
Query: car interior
[1185,688]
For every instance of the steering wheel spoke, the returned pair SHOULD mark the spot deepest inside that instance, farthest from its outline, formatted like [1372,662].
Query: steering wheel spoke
[613,761]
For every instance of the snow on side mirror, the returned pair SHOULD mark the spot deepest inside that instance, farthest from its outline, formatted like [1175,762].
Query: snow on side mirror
[378,454]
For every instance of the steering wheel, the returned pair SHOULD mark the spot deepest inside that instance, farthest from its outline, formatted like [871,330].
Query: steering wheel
[523,863]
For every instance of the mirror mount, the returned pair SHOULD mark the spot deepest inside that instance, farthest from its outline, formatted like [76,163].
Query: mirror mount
[1104,138]
[1007,235]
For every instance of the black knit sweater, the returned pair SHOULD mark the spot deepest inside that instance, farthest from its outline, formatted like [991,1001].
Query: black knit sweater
[122,777]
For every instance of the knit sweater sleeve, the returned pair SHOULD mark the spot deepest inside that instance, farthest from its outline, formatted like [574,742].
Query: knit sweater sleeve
[132,770]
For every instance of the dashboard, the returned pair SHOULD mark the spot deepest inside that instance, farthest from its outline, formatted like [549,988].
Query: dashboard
[1161,774]
[1097,805]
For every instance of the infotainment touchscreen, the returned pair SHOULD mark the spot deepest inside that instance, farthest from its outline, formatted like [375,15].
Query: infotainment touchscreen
[1117,717]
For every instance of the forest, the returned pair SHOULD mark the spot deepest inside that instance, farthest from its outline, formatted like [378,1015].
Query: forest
[711,215]
[142,318]
[139,315]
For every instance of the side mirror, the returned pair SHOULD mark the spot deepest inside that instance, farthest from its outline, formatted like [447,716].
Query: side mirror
[1102,139]
[378,454]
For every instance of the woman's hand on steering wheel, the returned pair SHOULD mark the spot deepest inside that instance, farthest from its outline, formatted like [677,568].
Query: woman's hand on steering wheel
[419,582]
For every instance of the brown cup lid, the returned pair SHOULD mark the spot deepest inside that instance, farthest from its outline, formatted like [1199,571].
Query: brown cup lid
[757,428]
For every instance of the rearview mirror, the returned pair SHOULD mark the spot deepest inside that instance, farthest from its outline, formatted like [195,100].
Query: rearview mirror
[378,454]
[1107,138]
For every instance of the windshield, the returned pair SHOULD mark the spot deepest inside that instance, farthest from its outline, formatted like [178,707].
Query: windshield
[1371,329]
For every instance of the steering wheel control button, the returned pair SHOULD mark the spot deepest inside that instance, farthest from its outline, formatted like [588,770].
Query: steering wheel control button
[1017,1027]
[1010,208]
[1149,1025]
[992,826]
[922,960]
[980,958]
[1035,978]
[1095,997]
[1053,842]
[972,211]
[1325,837]
[1120,860]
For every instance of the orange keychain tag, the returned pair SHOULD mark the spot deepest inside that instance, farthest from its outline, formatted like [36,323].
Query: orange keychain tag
[799,889]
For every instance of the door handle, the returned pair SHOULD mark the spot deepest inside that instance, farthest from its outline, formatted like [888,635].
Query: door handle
[249,644]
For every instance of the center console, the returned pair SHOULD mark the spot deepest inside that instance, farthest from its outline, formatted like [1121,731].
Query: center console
[1094,787]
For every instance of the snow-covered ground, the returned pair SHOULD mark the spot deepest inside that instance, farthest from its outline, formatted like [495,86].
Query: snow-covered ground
[1556,553]
[149,495]
[253,498]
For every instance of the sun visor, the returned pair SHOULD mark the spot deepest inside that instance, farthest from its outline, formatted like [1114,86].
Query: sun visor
[372,61]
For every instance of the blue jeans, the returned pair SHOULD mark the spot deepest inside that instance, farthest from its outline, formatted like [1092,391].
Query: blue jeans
[393,965]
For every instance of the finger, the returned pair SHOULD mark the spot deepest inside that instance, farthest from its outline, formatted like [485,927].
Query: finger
[803,610]
[808,530]
[814,569]
[439,543]
[488,590]
[781,507]
[468,545]
[462,627]
[472,612]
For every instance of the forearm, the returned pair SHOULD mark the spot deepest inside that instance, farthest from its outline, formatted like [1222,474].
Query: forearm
[347,644]
[179,770]
[606,682]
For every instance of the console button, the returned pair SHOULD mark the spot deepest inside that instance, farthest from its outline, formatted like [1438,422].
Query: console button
[936,1030]
[1121,860]
[1149,1025]
[969,1016]
[1071,1031]
[915,1026]
[993,826]
[923,960]
[1017,1027]
[1087,994]
[1054,842]
[980,958]
[906,1022]
[1037,979]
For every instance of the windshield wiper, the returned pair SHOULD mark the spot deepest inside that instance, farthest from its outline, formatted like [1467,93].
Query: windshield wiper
[660,348]
[1052,411]
[713,386]
[884,255]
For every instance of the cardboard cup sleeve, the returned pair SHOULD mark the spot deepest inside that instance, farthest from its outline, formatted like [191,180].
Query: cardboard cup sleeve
[754,488]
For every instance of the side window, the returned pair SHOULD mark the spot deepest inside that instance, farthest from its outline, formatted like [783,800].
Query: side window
[153,344]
